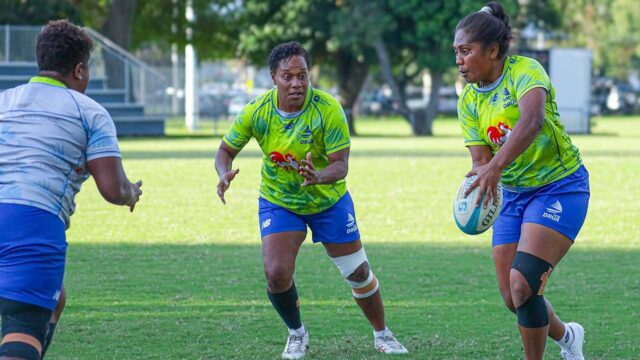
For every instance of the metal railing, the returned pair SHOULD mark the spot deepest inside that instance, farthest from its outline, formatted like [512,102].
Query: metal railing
[18,43]
[120,72]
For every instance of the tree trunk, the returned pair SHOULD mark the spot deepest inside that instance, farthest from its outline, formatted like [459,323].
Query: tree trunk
[120,22]
[423,119]
[387,73]
[118,28]
[421,123]
[420,119]
[351,76]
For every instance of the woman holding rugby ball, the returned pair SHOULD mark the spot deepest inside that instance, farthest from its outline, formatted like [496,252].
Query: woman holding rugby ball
[512,128]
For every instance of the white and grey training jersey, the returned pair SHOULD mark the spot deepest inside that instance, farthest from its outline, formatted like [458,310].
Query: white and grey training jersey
[47,135]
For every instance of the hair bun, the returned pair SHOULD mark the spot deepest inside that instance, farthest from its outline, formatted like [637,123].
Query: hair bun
[487,10]
[498,11]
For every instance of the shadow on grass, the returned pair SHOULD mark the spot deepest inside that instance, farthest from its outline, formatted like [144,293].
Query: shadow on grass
[395,153]
[196,154]
[209,301]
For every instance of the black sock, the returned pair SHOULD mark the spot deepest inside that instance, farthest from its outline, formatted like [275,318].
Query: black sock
[286,304]
[51,327]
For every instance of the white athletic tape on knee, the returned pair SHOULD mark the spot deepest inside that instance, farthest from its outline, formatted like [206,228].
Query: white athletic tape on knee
[362,290]
[349,263]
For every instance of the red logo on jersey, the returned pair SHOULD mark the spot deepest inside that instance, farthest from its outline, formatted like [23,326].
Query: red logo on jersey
[287,161]
[499,134]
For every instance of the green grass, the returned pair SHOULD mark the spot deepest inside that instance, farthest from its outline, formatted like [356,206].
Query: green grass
[181,277]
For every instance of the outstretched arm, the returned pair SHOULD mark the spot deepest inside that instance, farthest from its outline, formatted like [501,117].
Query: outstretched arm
[224,160]
[112,182]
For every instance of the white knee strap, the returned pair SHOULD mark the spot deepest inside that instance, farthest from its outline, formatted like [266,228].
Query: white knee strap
[362,290]
[348,264]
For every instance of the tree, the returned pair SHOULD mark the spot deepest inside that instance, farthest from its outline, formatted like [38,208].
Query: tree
[609,28]
[132,23]
[412,36]
[119,23]
[36,12]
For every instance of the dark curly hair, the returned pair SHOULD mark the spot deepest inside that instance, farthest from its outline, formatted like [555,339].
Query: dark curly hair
[285,51]
[489,25]
[61,45]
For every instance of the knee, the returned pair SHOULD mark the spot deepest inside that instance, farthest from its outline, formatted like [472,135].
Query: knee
[506,297]
[355,269]
[527,280]
[278,278]
[519,289]
[360,274]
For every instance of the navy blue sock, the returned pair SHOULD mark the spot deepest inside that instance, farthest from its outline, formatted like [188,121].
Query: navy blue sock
[286,304]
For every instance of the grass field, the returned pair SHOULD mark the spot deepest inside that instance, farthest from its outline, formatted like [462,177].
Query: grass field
[181,277]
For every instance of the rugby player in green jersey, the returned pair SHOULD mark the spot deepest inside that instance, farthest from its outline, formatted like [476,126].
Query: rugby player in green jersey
[303,134]
[512,128]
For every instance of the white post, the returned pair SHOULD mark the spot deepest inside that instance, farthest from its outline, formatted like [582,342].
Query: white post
[174,78]
[191,88]
[127,87]
[7,42]
[174,61]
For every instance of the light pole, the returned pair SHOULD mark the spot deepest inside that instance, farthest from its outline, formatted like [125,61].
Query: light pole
[191,72]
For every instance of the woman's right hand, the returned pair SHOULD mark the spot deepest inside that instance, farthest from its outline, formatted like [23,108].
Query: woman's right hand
[136,193]
[225,181]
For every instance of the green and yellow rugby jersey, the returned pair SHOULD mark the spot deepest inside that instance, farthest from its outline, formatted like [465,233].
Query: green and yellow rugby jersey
[487,116]
[320,128]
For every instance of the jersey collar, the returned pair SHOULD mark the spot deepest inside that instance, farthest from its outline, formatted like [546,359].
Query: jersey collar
[305,105]
[48,81]
[496,83]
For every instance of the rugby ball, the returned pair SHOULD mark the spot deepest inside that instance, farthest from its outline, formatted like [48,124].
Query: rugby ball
[470,219]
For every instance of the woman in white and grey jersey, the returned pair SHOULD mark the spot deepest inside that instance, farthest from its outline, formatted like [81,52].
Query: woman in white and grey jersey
[52,138]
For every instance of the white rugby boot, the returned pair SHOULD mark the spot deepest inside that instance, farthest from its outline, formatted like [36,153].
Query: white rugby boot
[573,351]
[387,343]
[296,347]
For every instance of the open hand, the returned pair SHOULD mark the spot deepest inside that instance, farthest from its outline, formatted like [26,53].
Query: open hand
[225,181]
[308,171]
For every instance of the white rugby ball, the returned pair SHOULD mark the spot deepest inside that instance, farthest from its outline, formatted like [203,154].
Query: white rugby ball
[474,220]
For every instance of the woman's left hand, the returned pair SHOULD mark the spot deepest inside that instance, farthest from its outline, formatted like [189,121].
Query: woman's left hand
[309,173]
[488,177]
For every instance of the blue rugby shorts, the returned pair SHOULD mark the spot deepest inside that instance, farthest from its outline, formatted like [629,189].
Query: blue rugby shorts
[335,225]
[561,205]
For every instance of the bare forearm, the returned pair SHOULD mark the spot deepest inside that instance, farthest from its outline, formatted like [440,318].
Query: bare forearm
[520,139]
[123,195]
[111,180]
[224,160]
[481,161]
[334,172]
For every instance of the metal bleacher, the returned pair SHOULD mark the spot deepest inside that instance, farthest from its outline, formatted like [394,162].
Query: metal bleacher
[131,91]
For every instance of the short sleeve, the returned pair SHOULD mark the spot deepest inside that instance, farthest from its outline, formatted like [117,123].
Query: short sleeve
[102,135]
[336,130]
[530,75]
[240,133]
[468,118]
